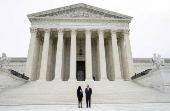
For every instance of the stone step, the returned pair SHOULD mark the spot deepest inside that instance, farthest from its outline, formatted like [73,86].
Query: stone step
[65,93]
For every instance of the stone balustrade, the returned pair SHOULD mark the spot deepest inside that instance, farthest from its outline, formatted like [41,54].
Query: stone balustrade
[10,80]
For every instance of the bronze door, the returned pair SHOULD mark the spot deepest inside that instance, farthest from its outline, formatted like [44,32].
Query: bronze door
[80,76]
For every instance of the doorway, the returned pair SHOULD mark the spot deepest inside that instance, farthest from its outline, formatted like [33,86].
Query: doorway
[80,75]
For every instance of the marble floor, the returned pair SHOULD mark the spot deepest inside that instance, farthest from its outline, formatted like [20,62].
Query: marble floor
[95,107]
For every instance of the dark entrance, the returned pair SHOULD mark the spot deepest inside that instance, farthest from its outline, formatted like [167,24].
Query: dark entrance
[80,71]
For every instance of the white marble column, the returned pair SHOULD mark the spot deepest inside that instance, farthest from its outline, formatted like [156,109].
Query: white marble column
[45,54]
[59,56]
[31,64]
[120,57]
[102,57]
[128,53]
[73,56]
[39,59]
[63,61]
[48,77]
[98,60]
[116,62]
[111,69]
[88,55]
[124,59]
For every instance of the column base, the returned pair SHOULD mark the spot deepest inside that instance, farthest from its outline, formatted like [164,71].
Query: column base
[118,79]
[104,79]
[127,79]
[41,80]
[72,79]
[89,79]
[57,79]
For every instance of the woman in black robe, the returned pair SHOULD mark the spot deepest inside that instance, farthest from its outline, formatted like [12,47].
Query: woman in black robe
[79,96]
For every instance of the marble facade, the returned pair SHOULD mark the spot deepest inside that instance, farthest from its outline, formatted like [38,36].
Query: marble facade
[55,42]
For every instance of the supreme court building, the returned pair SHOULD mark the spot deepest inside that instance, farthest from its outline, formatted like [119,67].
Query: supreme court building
[79,43]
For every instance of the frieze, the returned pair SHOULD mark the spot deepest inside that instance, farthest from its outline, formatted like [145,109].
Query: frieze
[37,23]
[79,22]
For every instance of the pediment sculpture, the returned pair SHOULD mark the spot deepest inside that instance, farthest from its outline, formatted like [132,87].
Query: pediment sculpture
[79,11]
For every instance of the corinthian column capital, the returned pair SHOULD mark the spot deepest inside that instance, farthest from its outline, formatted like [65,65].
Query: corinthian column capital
[33,30]
[113,31]
[126,31]
[60,31]
[73,31]
[100,31]
[88,31]
[47,30]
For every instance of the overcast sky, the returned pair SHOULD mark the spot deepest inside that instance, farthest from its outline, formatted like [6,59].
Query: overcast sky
[150,26]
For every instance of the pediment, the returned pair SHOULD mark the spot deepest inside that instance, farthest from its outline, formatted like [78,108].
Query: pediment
[79,11]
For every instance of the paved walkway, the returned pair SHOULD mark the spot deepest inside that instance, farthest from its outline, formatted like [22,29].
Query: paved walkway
[95,107]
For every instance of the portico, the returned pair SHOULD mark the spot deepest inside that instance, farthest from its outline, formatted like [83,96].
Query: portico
[57,37]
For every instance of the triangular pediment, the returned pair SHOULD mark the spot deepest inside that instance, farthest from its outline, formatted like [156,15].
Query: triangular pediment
[79,11]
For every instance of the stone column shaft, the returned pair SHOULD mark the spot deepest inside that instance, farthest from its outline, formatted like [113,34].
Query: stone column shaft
[59,56]
[102,57]
[73,56]
[98,61]
[88,55]
[128,53]
[111,69]
[49,78]
[63,62]
[39,61]
[120,58]
[124,60]
[116,62]
[45,55]
[31,64]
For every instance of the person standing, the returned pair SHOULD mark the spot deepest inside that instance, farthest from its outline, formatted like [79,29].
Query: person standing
[88,92]
[79,96]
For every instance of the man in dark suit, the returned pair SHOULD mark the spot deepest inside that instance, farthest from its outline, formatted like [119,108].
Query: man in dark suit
[88,92]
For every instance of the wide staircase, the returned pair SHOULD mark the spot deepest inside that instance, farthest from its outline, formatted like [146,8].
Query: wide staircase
[64,92]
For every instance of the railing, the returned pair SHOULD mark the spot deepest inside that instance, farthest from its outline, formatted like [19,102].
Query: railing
[141,74]
[18,74]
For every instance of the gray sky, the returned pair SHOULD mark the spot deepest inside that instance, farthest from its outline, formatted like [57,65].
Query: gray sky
[150,26]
